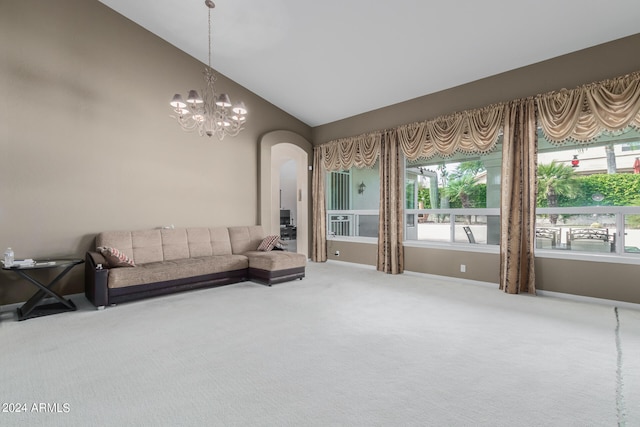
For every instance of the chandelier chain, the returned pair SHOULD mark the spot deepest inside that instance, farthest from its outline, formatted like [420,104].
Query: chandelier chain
[209,38]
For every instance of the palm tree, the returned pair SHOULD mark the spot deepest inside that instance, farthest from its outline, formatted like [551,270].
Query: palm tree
[471,167]
[461,188]
[611,158]
[555,179]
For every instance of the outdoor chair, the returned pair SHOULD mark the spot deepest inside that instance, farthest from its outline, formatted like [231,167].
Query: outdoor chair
[591,239]
[551,234]
[469,233]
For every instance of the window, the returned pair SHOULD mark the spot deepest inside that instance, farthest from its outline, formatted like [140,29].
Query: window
[453,200]
[340,190]
[353,202]
[589,196]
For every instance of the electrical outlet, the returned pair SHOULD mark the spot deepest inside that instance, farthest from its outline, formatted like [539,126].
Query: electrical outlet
[463,268]
[337,253]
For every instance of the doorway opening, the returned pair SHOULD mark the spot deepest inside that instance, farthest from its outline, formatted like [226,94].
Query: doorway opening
[289,205]
[284,188]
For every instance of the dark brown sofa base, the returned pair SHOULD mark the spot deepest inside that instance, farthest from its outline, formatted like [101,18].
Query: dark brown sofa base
[272,277]
[131,293]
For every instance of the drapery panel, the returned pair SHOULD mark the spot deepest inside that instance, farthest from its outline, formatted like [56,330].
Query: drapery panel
[319,214]
[390,249]
[582,114]
[471,131]
[518,198]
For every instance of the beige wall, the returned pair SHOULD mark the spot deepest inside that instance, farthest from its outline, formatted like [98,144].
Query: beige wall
[617,282]
[594,279]
[87,144]
[481,267]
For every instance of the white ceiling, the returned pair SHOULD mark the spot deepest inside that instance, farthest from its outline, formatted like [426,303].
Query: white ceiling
[323,61]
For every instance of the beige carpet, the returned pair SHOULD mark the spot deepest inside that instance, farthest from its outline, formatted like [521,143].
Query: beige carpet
[347,346]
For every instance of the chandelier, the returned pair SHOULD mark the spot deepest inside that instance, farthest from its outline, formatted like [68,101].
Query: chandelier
[209,114]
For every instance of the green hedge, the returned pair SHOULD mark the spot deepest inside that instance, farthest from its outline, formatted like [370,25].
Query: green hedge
[478,197]
[622,189]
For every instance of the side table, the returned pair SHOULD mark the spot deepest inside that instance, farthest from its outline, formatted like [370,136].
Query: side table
[31,308]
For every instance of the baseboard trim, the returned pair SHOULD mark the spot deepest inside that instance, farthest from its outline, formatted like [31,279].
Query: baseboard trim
[542,293]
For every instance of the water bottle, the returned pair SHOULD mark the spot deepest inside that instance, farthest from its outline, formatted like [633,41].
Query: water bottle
[8,257]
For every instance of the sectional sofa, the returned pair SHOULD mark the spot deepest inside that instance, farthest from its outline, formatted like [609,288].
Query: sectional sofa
[129,265]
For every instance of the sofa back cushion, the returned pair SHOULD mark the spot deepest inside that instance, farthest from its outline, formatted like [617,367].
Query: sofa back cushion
[245,239]
[157,245]
[120,240]
[199,241]
[147,246]
[174,243]
[208,241]
[220,241]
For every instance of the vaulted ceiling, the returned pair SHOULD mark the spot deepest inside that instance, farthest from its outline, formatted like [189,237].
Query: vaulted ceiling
[322,61]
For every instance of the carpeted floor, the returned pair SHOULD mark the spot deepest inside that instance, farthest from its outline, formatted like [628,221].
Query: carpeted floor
[347,346]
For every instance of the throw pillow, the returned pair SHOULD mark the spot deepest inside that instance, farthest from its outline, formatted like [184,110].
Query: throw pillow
[116,258]
[268,243]
[280,245]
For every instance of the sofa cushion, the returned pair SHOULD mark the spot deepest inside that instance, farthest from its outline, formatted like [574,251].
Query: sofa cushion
[177,269]
[220,241]
[274,261]
[244,239]
[116,239]
[212,264]
[174,244]
[199,241]
[147,246]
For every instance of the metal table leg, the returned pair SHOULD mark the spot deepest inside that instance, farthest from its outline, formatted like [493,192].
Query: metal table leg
[31,308]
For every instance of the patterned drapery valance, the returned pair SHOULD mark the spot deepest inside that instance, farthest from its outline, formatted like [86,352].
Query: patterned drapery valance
[471,131]
[359,151]
[584,113]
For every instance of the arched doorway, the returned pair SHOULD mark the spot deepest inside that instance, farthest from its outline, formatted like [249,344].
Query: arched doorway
[284,167]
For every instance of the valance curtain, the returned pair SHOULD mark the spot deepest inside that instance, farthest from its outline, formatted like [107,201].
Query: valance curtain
[582,114]
[472,131]
[360,151]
